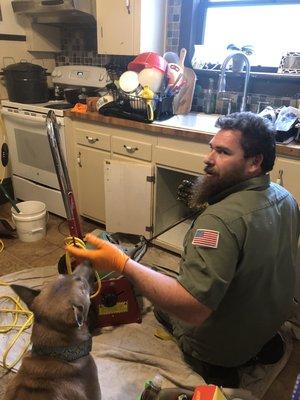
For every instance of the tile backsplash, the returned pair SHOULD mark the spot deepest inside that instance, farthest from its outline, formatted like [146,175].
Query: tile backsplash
[173,25]
[79,47]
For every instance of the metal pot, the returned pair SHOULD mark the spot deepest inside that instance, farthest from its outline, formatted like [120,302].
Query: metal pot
[26,83]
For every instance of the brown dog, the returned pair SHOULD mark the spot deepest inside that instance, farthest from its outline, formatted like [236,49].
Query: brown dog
[59,366]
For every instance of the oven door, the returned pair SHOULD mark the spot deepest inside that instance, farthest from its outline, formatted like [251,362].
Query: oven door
[29,148]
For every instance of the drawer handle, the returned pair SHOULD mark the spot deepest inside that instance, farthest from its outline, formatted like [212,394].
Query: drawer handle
[79,160]
[279,179]
[91,140]
[130,149]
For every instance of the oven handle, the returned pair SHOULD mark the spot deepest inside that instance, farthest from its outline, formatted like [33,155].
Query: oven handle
[24,117]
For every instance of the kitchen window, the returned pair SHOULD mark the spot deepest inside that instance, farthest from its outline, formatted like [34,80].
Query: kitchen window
[270,26]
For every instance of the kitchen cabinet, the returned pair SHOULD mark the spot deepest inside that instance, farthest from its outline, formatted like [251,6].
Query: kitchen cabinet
[131,27]
[88,146]
[286,172]
[98,189]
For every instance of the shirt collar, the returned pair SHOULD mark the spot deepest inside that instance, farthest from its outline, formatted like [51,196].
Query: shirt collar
[258,183]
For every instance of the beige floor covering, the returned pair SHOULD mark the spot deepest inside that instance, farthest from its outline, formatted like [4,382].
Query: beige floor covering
[18,256]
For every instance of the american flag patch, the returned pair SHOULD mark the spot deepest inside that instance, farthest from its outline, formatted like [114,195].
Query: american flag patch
[206,238]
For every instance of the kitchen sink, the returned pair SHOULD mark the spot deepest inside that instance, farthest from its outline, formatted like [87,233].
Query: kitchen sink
[192,121]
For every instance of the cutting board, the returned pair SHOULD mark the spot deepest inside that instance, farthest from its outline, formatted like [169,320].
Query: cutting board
[183,100]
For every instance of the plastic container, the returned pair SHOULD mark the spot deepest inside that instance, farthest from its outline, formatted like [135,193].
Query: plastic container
[152,388]
[209,102]
[31,221]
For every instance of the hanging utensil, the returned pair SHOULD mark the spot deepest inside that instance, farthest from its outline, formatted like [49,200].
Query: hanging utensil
[62,175]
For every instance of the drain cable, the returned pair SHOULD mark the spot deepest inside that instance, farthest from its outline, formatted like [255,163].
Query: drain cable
[16,312]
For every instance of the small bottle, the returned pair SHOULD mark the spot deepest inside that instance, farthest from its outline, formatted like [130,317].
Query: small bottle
[152,388]
[209,98]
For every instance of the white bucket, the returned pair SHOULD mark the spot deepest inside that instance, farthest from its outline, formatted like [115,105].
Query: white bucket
[31,221]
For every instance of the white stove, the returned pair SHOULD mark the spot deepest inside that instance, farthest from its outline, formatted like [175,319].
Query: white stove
[33,172]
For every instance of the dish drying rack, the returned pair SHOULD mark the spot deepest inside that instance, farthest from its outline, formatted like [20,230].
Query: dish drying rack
[135,107]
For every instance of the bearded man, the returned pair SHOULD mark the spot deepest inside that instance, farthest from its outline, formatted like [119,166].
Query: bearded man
[237,273]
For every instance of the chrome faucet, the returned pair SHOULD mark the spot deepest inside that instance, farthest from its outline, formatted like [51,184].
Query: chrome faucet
[222,79]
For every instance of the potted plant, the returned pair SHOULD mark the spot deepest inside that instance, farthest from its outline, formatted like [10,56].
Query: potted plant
[238,61]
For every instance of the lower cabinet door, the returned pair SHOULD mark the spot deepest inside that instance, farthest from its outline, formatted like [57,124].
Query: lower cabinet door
[128,197]
[90,181]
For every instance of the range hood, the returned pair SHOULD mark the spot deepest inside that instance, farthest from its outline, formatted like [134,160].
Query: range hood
[57,11]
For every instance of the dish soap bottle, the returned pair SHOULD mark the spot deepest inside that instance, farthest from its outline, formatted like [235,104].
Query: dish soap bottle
[209,98]
[152,388]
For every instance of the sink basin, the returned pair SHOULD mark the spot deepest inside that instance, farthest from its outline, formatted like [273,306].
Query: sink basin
[192,121]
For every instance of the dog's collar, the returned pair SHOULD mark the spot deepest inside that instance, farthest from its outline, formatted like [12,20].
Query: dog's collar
[70,353]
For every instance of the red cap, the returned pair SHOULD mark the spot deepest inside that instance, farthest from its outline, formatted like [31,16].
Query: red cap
[148,60]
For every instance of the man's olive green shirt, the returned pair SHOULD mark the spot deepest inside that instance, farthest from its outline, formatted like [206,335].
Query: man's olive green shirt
[248,280]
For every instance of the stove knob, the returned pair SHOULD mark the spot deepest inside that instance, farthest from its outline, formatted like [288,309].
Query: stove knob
[59,74]
[54,73]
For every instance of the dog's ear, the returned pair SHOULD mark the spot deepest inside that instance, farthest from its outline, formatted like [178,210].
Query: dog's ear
[80,312]
[25,293]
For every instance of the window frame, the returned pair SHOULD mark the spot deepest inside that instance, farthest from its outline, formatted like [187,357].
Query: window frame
[193,15]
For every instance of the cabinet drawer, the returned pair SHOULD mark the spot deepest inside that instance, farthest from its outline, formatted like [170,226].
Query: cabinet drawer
[93,139]
[182,154]
[132,148]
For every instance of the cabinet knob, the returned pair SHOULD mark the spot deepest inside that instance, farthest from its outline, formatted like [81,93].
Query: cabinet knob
[279,179]
[130,149]
[79,160]
[91,140]
[127,5]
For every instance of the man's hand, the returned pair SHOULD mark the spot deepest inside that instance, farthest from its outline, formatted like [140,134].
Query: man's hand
[105,257]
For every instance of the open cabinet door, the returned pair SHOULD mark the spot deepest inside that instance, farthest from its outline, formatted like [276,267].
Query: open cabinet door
[128,197]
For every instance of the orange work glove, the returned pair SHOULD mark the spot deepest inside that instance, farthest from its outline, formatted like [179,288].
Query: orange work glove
[106,256]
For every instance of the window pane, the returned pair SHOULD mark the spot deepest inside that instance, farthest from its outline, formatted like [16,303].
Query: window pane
[227,1]
[237,1]
[271,30]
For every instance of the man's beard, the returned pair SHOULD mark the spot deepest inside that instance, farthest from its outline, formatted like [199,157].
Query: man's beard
[207,186]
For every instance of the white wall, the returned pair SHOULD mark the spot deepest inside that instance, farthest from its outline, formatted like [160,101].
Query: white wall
[10,24]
